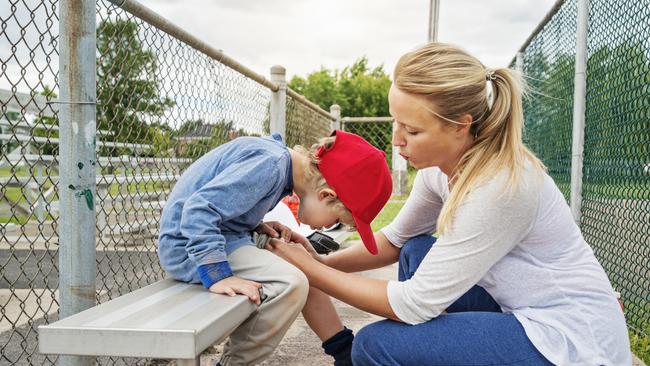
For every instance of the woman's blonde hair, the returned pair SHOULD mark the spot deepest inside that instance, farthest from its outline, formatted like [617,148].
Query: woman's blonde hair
[457,84]
[318,181]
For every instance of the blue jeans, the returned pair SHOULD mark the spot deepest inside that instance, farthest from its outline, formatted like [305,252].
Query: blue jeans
[473,332]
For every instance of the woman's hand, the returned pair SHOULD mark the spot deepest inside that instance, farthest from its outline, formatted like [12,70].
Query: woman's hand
[275,229]
[292,252]
[234,285]
[299,239]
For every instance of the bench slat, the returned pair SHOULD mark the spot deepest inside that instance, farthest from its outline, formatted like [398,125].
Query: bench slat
[167,319]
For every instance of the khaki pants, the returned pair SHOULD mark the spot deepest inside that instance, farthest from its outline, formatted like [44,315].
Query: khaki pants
[285,288]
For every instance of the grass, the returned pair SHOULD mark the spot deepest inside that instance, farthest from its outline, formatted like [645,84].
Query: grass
[640,345]
[384,218]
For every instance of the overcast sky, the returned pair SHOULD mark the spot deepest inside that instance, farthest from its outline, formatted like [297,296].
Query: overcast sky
[301,35]
[307,34]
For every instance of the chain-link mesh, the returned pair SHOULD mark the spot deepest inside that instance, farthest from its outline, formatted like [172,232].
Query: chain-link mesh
[304,125]
[377,132]
[28,176]
[616,175]
[616,196]
[548,67]
[161,104]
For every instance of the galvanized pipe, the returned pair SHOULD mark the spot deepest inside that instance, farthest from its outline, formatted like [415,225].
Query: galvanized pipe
[335,111]
[278,109]
[556,7]
[76,223]
[579,102]
[153,18]
[175,31]
[367,119]
[309,104]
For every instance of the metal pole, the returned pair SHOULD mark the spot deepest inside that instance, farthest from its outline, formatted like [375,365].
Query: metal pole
[579,101]
[76,226]
[335,111]
[434,9]
[279,101]
[519,63]
[399,172]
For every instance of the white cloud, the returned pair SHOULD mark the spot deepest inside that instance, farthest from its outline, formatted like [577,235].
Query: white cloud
[305,35]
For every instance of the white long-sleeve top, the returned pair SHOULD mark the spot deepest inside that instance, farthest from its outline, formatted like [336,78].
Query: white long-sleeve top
[523,247]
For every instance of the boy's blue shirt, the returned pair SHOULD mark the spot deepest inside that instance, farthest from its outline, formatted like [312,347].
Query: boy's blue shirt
[217,202]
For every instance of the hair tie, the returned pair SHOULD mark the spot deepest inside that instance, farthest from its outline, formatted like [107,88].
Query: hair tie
[489,75]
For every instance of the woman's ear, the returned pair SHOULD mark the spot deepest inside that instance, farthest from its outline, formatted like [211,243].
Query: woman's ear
[326,193]
[464,124]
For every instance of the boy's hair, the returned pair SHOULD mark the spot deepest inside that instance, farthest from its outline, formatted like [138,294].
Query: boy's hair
[317,180]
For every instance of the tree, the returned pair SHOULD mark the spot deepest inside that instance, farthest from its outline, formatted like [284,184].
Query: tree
[128,85]
[359,91]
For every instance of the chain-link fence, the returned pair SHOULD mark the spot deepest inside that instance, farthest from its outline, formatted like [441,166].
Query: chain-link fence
[615,201]
[162,102]
[305,125]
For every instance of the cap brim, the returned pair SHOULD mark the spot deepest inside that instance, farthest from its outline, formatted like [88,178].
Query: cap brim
[367,236]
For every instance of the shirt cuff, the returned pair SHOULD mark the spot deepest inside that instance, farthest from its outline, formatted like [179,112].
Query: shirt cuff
[212,273]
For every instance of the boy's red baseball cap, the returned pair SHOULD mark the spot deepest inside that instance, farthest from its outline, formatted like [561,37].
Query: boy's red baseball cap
[359,174]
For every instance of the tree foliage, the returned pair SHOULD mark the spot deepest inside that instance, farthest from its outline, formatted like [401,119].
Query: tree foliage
[359,90]
[128,84]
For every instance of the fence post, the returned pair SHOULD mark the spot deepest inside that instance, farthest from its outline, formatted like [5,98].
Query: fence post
[579,101]
[519,63]
[77,98]
[335,111]
[279,101]
[399,173]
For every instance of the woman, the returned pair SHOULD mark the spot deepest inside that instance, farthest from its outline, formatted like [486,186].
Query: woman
[510,279]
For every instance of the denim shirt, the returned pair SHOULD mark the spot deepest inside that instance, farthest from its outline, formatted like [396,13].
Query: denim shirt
[216,204]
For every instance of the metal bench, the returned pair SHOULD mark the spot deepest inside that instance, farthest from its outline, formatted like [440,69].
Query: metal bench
[167,319]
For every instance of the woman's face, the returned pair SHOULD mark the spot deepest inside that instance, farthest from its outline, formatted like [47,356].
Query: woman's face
[423,139]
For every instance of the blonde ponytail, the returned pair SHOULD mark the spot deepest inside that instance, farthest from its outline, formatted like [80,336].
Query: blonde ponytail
[458,84]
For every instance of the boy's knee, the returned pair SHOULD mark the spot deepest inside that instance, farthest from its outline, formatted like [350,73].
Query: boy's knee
[298,284]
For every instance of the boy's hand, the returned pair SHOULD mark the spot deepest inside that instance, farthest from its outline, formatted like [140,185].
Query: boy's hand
[274,229]
[234,285]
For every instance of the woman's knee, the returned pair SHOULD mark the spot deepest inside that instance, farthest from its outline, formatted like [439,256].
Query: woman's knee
[417,243]
[363,346]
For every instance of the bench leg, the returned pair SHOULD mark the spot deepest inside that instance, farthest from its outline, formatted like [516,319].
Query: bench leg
[189,362]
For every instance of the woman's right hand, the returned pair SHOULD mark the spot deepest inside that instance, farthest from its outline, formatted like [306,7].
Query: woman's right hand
[232,286]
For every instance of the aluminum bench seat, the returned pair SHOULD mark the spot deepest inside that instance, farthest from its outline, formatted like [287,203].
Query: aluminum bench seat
[167,319]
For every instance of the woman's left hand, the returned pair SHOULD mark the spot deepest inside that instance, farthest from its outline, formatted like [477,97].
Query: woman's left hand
[292,252]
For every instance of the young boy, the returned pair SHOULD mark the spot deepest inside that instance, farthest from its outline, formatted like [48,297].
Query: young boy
[206,230]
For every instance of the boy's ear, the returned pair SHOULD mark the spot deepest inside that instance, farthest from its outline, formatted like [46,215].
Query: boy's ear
[326,193]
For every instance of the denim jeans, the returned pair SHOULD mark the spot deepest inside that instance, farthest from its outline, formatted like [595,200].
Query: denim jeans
[473,332]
